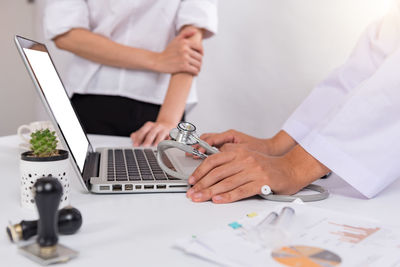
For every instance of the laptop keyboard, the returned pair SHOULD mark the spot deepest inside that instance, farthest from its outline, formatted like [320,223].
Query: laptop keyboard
[136,165]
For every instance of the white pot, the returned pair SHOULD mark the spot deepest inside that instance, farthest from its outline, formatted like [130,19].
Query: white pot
[33,168]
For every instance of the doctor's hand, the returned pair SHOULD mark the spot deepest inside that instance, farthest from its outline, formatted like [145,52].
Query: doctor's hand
[278,145]
[183,54]
[151,133]
[237,172]
[218,140]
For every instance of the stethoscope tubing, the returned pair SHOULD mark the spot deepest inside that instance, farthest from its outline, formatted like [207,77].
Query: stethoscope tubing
[321,194]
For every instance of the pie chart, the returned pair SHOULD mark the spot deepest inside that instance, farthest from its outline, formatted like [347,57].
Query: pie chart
[305,256]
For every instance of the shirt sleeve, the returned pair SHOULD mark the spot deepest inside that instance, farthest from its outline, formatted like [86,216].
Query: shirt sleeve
[357,135]
[60,16]
[329,93]
[199,13]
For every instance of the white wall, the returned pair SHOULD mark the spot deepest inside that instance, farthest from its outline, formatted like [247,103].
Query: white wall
[267,57]
[17,97]
[19,103]
[269,54]
[61,58]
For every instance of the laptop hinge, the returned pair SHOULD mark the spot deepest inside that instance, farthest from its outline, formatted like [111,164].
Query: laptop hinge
[91,168]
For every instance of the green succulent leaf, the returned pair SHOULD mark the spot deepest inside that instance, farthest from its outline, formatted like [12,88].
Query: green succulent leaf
[44,143]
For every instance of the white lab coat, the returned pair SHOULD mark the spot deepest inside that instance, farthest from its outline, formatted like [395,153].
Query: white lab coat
[147,24]
[351,121]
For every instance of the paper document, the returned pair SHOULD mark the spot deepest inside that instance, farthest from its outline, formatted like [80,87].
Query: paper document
[316,237]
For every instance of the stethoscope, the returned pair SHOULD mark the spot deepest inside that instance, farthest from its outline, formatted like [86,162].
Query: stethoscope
[184,137]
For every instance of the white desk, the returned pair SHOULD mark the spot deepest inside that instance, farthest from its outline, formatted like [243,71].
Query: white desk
[139,229]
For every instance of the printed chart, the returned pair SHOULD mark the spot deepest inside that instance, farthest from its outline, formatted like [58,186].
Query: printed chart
[305,256]
[314,238]
[352,234]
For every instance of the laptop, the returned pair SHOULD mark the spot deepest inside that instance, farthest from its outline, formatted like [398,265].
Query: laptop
[104,170]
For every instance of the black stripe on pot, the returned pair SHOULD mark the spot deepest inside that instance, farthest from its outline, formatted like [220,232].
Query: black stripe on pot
[28,156]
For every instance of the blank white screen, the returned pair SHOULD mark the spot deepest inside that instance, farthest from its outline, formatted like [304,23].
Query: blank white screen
[59,103]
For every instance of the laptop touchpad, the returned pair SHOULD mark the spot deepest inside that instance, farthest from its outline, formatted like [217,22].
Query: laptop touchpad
[181,162]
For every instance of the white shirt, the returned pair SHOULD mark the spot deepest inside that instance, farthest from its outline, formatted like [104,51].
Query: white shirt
[351,121]
[147,24]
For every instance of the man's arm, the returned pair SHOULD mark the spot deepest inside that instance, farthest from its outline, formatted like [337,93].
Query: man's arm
[181,55]
[173,107]
[278,145]
[238,173]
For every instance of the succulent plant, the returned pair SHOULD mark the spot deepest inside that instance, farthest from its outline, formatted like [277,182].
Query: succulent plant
[44,143]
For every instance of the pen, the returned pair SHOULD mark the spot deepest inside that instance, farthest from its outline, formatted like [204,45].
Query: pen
[285,217]
[272,230]
[271,218]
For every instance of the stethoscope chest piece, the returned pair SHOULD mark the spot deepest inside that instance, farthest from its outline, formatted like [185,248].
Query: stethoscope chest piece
[183,137]
[184,133]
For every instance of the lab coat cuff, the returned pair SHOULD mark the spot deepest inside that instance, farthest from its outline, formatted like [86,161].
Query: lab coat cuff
[343,165]
[295,129]
[199,13]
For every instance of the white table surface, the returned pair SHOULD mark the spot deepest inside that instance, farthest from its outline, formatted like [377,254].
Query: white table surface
[140,229]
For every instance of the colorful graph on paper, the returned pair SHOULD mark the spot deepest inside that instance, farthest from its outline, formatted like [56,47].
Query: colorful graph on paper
[353,234]
[342,233]
[305,256]
[316,237]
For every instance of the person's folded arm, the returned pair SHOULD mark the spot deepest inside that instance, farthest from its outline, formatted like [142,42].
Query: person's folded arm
[67,23]
[151,133]
[181,55]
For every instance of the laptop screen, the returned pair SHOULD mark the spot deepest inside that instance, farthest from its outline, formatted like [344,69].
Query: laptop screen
[58,101]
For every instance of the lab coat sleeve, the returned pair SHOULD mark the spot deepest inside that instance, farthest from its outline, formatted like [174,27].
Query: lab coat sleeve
[361,64]
[357,136]
[199,13]
[359,139]
[60,16]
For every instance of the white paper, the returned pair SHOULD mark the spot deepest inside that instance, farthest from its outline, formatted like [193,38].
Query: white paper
[316,236]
